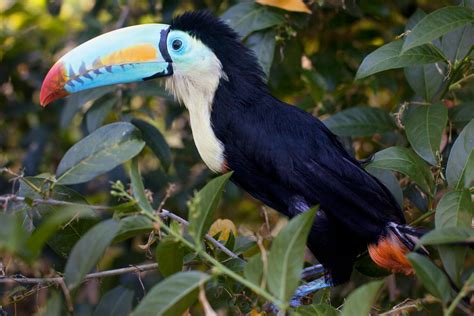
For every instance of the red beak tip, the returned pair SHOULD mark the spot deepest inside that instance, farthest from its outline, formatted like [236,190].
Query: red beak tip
[53,85]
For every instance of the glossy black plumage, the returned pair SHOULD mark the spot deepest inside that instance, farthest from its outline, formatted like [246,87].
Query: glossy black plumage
[288,159]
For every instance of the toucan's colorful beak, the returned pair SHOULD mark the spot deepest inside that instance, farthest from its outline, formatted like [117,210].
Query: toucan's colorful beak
[126,55]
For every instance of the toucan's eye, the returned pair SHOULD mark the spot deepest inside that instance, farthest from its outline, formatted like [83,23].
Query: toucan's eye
[177,44]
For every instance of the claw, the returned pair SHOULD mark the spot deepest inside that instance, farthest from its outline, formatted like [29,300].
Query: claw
[308,288]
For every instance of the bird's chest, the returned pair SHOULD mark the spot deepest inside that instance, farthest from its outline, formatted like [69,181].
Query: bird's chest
[210,148]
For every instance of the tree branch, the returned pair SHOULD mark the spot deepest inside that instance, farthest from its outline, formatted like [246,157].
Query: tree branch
[95,275]
[163,214]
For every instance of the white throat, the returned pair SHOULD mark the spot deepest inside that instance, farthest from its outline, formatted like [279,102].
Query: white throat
[195,87]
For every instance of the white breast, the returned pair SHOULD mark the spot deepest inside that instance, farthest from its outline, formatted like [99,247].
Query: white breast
[195,86]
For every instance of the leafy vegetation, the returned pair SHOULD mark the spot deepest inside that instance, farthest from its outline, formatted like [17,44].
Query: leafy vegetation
[96,188]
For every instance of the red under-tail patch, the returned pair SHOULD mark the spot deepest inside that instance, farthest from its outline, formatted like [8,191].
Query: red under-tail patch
[53,85]
[389,253]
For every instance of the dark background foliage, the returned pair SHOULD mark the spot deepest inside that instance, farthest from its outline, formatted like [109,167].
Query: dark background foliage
[312,61]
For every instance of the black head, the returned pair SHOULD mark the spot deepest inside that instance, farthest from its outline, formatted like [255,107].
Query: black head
[237,60]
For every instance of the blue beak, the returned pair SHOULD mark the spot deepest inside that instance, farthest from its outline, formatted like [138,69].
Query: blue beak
[125,55]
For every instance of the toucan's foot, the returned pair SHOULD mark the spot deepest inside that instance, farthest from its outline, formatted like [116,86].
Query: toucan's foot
[308,288]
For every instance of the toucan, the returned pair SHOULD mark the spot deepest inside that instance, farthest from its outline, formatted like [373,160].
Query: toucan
[280,154]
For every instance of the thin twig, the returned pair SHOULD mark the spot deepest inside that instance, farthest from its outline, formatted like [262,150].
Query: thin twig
[163,214]
[15,198]
[95,275]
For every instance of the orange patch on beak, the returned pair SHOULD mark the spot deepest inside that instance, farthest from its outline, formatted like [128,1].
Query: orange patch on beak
[53,85]
[134,54]
[389,253]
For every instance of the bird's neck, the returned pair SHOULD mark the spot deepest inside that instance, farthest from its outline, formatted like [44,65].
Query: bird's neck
[196,90]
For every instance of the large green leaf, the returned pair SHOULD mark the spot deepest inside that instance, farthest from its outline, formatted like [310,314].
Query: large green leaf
[425,80]
[169,255]
[263,45]
[437,24]
[172,296]
[460,167]
[138,189]
[66,236]
[361,121]
[360,301]
[462,114]
[286,257]
[88,250]
[52,224]
[432,278]
[405,161]
[253,270]
[456,44]
[99,152]
[389,56]
[157,143]
[454,210]
[202,206]
[424,127]
[247,17]
[450,235]
[75,101]
[98,112]
[117,302]
[389,180]
[131,226]
[12,234]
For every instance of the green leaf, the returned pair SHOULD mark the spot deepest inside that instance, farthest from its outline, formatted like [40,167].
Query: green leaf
[456,44]
[286,257]
[263,45]
[462,114]
[155,140]
[405,161]
[117,302]
[88,250]
[52,224]
[361,121]
[454,210]
[169,255]
[460,167]
[63,239]
[389,56]
[132,226]
[247,17]
[424,127]
[361,299]
[202,206]
[173,295]
[434,280]
[425,80]
[316,310]
[253,270]
[99,152]
[12,234]
[389,180]
[97,113]
[450,235]
[437,24]
[75,101]
[138,188]
[54,306]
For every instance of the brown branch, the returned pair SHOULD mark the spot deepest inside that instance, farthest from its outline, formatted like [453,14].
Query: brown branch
[163,214]
[95,275]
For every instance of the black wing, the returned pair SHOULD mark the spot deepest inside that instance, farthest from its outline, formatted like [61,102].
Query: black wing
[279,152]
